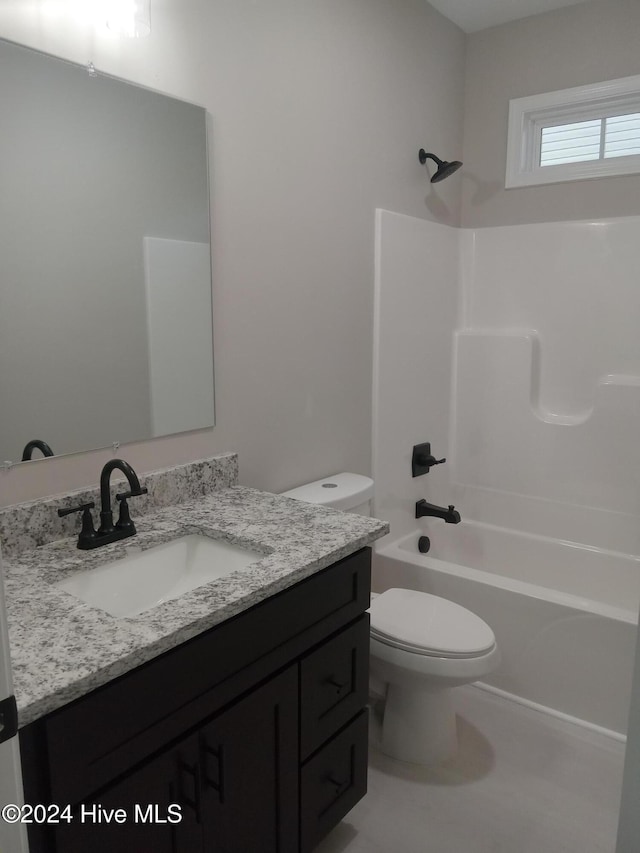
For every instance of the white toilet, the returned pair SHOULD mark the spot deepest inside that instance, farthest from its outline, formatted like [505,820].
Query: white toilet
[422,646]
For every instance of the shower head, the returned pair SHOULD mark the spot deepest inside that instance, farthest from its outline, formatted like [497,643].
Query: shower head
[445,168]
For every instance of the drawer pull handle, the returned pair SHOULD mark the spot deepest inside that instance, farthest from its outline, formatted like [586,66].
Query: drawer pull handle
[340,787]
[219,755]
[340,686]
[191,770]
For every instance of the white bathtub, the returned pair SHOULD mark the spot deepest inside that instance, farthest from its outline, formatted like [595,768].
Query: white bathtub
[564,615]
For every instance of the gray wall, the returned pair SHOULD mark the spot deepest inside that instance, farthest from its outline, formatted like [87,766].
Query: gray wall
[318,109]
[574,46]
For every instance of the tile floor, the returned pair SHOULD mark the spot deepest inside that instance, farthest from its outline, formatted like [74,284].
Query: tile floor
[522,782]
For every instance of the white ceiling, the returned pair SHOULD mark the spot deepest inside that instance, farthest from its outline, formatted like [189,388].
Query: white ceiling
[473,15]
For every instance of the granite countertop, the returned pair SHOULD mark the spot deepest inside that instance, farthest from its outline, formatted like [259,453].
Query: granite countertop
[62,648]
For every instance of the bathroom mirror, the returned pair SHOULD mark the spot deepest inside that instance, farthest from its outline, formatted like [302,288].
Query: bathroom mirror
[105,272]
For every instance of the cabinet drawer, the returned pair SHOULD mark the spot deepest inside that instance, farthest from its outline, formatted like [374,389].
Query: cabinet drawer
[333,684]
[333,781]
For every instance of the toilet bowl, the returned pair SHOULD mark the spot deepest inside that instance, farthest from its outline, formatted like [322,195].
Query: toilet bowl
[422,646]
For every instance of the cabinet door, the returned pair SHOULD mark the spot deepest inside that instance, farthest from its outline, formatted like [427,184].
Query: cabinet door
[249,761]
[149,798]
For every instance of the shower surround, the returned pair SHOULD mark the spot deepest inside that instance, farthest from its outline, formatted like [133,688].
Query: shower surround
[514,351]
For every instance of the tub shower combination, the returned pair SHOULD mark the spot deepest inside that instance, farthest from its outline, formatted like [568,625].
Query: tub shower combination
[520,361]
[564,614]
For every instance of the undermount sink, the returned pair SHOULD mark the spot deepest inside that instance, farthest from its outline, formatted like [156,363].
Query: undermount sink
[143,580]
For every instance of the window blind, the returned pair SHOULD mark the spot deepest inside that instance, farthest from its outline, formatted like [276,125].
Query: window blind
[595,139]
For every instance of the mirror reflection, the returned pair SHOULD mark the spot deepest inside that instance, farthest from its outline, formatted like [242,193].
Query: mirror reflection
[105,274]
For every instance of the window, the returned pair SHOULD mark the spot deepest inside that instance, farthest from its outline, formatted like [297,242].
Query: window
[586,132]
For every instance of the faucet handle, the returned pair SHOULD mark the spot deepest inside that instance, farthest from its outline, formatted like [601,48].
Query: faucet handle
[80,508]
[422,460]
[124,519]
[87,533]
[125,495]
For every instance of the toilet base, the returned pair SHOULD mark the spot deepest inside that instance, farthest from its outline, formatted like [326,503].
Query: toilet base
[419,726]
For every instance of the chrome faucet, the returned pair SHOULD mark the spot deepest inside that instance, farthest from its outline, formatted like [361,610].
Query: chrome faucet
[450,514]
[108,531]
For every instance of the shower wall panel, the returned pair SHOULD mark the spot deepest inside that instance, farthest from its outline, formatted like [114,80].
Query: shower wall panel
[415,314]
[547,388]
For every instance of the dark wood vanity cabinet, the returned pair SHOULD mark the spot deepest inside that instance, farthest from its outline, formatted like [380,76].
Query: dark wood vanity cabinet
[256,729]
[235,780]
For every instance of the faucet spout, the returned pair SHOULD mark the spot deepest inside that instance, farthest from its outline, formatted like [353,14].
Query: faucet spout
[106,513]
[448,514]
[36,444]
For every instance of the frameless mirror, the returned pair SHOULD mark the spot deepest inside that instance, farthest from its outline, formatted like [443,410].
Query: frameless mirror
[105,272]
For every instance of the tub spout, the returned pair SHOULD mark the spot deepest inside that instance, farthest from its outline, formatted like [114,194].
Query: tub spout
[448,514]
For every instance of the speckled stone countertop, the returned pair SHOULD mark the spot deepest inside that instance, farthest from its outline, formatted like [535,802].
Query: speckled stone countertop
[62,648]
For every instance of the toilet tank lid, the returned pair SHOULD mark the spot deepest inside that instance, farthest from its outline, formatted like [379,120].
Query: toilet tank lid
[341,491]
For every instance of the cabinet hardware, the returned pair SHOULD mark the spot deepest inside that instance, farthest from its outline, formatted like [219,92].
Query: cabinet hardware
[218,754]
[192,771]
[339,685]
[340,787]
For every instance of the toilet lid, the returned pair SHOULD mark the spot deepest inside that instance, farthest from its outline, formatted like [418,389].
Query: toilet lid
[428,625]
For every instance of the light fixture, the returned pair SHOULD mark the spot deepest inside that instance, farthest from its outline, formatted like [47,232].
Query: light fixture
[129,18]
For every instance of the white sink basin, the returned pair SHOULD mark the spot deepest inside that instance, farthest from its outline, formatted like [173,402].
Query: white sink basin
[141,581]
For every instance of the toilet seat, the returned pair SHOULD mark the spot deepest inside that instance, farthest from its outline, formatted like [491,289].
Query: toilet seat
[428,625]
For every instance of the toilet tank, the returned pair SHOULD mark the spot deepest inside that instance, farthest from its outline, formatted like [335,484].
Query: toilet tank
[348,492]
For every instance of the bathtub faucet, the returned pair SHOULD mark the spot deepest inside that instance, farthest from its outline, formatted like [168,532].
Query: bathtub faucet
[450,515]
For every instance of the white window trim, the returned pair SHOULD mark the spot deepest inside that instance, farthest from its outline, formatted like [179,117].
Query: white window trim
[528,115]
